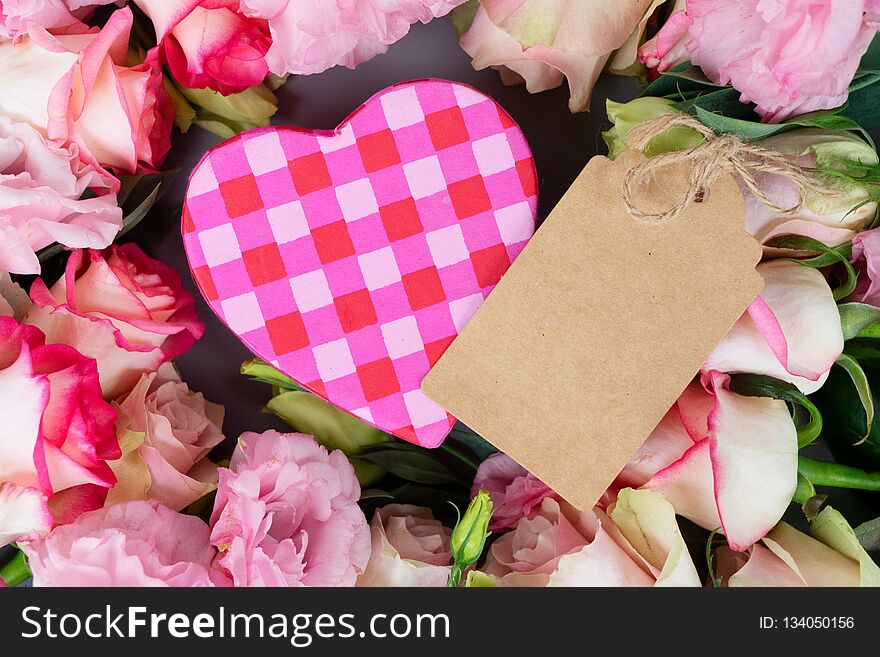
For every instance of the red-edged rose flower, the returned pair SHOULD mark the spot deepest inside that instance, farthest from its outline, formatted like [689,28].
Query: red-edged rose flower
[120,307]
[57,434]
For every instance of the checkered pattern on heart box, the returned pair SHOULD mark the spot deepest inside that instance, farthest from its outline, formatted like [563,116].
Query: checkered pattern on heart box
[351,260]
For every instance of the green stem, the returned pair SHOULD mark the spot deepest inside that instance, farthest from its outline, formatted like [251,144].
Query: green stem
[16,571]
[461,456]
[823,473]
[454,580]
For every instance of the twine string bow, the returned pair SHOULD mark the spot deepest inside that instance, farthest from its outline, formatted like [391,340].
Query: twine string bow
[718,155]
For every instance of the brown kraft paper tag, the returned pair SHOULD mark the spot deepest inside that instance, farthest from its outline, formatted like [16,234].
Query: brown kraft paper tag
[599,326]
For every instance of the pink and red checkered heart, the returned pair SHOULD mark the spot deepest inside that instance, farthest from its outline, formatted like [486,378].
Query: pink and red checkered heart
[350,260]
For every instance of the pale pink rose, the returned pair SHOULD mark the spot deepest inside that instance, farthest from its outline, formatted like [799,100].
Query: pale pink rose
[866,256]
[637,543]
[41,199]
[724,461]
[57,434]
[310,36]
[55,15]
[542,45]
[516,492]
[120,307]
[409,548]
[166,431]
[791,331]
[788,57]
[209,43]
[287,514]
[80,91]
[133,544]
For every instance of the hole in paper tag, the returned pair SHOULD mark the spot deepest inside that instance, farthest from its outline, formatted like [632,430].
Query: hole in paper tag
[599,326]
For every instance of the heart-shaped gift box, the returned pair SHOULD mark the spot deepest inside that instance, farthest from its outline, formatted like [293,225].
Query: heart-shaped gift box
[350,259]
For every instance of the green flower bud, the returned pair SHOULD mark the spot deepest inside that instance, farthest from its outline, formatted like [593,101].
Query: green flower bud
[627,116]
[332,427]
[472,530]
[226,116]
[477,579]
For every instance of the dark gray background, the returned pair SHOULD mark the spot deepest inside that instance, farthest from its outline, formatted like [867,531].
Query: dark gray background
[562,145]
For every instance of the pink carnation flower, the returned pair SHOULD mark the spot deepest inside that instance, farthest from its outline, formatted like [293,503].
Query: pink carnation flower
[132,544]
[788,57]
[310,36]
[287,514]
[41,199]
[515,492]
[124,309]
[57,434]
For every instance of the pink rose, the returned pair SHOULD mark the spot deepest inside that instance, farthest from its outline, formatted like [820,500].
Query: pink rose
[208,43]
[287,514]
[543,45]
[637,543]
[724,461]
[57,434]
[866,256]
[310,36]
[41,199]
[516,492]
[166,431]
[787,56]
[791,331]
[132,544]
[49,14]
[80,91]
[410,548]
[120,307]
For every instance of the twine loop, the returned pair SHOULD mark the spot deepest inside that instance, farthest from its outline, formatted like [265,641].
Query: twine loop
[718,155]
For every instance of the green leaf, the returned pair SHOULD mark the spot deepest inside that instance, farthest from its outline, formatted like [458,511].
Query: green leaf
[679,83]
[863,350]
[375,494]
[410,464]
[472,440]
[868,534]
[427,496]
[857,318]
[828,256]
[758,385]
[845,422]
[462,17]
[860,380]
[871,59]
[863,104]
[804,491]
